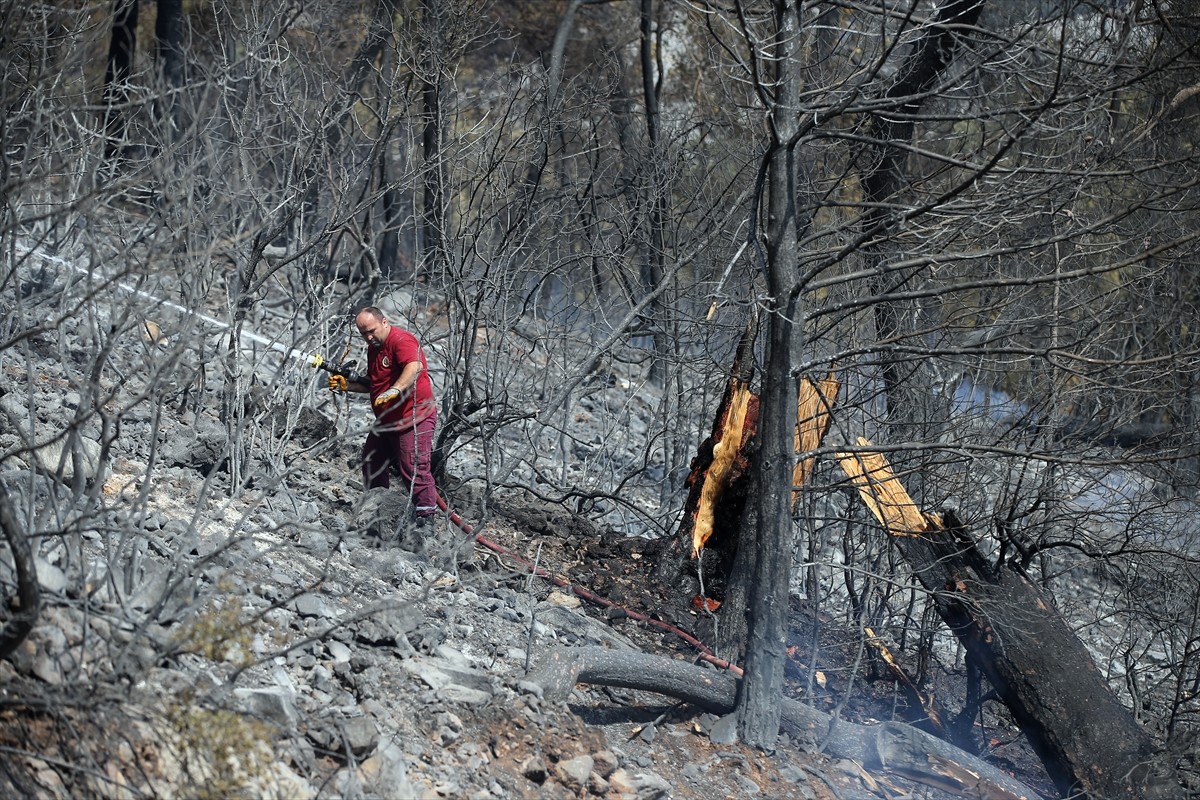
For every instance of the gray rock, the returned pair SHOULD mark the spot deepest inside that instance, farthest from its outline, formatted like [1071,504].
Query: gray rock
[339,652]
[581,626]
[453,656]
[451,683]
[312,606]
[793,774]
[383,513]
[389,623]
[275,704]
[315,542]
[724,730]
[574,772]
[642,785]
[385,772]
[52,451]
[748,786]
[202,448]
[51,578]
[360,734]
[48,668]
[606,762]
[651,785]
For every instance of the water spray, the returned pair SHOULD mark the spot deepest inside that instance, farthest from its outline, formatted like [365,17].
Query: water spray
[314,360]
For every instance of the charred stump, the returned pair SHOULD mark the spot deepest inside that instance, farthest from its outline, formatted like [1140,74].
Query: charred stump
[719,484]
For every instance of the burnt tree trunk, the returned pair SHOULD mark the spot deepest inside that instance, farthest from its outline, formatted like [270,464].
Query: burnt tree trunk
[1038,666]
[722,503]
[770,564]
[22,611]
[118,70]
[889,747]
[1088,741]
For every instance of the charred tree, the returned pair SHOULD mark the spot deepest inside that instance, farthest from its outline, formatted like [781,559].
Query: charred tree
[169,54]
[884,178]
[890,747]
[26,604]
[118,70]
[769,563]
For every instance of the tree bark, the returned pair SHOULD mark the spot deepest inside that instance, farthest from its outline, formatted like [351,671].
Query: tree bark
[168,35]
[771,559]
[118,69]
[1040,669]
[653,266]
[29,597]
[884,176]
[433,216]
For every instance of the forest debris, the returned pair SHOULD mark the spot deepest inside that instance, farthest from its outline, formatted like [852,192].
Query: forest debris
[927,702]
[890,747]
[1086,738]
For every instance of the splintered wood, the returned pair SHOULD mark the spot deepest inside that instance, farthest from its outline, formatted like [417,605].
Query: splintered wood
[814,403]
[883,493]
[928,702]
[813,414]
[725,454]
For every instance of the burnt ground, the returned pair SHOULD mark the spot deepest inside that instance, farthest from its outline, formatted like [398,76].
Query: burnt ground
[844,677]
[351,638]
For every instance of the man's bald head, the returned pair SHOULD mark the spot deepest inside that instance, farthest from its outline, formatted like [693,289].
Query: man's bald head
[373,326]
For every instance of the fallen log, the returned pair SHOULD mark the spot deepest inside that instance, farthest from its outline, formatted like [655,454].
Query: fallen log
[889,747]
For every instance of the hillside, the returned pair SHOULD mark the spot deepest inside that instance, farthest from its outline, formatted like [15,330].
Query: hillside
[281,641]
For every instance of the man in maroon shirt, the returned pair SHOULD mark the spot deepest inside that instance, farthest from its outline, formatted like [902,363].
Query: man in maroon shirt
[405,410]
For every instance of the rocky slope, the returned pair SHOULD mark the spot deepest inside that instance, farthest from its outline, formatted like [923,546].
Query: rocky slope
[231,615]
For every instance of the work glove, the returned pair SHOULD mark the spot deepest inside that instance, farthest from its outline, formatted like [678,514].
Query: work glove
[338,383]
[387,397]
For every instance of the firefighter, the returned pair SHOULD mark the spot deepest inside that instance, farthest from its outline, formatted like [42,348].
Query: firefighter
[401,393]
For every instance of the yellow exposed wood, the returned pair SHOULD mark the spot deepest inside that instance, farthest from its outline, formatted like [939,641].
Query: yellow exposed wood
[725,453]
[812,421]
[883,493]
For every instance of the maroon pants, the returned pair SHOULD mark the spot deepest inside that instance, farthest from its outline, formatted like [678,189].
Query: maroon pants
[409,451]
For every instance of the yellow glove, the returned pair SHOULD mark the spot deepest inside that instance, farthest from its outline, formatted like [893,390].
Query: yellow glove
[338,383]
[387,397]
